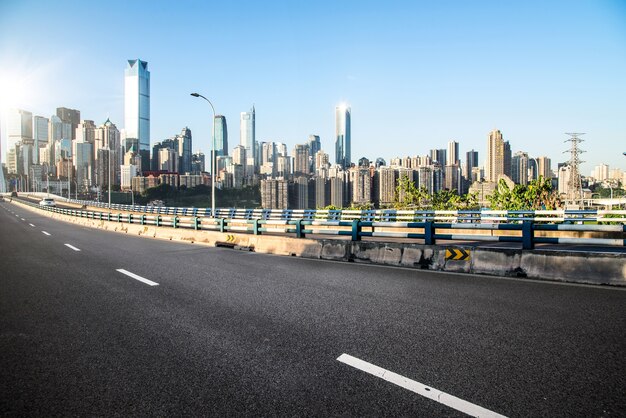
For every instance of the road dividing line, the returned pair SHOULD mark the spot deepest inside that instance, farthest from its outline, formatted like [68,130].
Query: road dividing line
[23,219]
[136,277]
[45,233]
[426,391]
[72,247]
[32,225]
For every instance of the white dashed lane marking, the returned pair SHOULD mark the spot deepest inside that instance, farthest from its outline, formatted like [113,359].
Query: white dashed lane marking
[72,247]
[419,388]
[137,277]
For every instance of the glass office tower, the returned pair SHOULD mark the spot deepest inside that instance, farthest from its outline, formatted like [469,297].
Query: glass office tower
[137,106]
[343,137]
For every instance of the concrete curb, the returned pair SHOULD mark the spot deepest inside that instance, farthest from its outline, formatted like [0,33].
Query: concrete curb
[565,266]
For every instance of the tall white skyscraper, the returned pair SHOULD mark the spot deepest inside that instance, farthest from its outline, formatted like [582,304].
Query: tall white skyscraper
[452,158]
[20,127]
[247,139]
[342,136]
[495,156]
[137,106]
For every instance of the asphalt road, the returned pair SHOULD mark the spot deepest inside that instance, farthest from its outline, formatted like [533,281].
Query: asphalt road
[230,333]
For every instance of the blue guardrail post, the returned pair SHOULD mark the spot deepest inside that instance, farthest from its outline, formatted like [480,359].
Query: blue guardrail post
[429,233]
[528,235]
[299,229]
[356,230]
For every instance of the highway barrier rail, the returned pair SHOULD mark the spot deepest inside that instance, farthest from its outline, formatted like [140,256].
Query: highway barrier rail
[525,227]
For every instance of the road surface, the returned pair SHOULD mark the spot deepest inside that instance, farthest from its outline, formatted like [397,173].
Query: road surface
[101,323]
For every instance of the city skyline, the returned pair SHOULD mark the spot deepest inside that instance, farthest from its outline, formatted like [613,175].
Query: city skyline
[426,87]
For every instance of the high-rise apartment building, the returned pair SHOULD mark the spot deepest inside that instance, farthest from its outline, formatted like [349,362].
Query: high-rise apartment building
[387,185]
[600,172]
[519,168]
[453,154]
[247,139]
[343,137]
[545,167]
[108,142]
[137,106]
[471,161]
[197,162]
[301,165]
[495,156]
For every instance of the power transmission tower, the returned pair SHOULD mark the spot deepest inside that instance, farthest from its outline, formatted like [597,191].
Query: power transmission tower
[574,183]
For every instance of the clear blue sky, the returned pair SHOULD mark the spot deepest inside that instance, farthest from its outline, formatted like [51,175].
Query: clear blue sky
[416,74]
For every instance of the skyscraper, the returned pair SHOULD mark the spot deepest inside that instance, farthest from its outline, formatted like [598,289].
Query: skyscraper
[453,154]
[184,151]
[519,168]
[471,161]
[343,137]
[20,127]
[495,156]
[221,143]
[137,106]
[545,168]
[40,135]
[247,139]
[301,160]
[71,116]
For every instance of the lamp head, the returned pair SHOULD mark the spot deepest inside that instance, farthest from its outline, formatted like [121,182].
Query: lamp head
[195,94]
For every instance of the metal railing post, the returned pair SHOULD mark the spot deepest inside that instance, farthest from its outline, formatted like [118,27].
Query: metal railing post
[196,223]
[175,222]
[528,235]
[429,233]
[356,230]
[300,229]
[222,225]
[255,227]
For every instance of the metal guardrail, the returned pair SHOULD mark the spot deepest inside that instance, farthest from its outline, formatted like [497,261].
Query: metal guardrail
[380,215]
[464,228]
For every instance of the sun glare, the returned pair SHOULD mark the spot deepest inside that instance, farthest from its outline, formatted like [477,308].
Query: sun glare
[15,90]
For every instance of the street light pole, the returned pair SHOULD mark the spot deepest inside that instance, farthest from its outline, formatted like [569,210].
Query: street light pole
[109,149]
[212,155]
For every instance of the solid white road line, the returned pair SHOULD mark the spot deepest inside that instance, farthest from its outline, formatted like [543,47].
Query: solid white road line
[72,247]
[45,233]
[428,392]
[136,277]
[32,225]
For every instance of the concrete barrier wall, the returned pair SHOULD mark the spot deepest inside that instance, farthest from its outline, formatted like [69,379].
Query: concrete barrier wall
[566,266]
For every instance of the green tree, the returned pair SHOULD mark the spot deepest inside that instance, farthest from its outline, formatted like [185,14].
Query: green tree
[408,195]
[538,194]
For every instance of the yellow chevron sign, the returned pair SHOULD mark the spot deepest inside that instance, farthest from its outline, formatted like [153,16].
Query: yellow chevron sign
[457,254]
[230,238]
